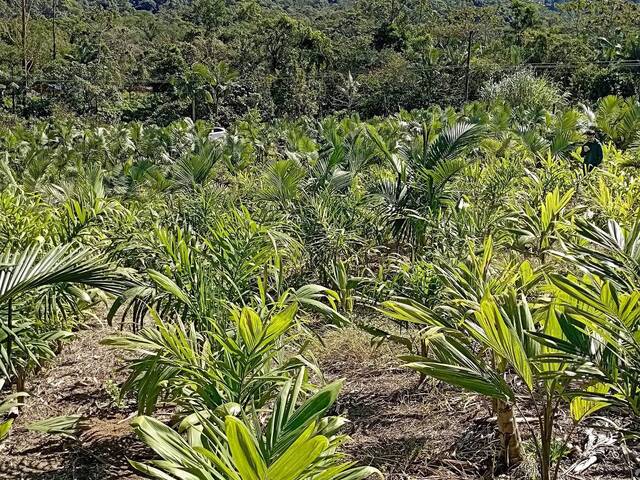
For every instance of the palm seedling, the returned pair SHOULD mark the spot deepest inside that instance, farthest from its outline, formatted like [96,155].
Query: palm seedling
[345,285]
[599,325]
[423,170]
[239,359]
[482,339]
[488,350]
[28,276]
[192,276]
[282,182]
[297,442]
[538,230]
[612,253]
[617,118]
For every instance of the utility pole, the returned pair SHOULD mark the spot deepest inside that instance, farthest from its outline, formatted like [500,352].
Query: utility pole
[23,35]
[53,32]
[468,67]
[13,91]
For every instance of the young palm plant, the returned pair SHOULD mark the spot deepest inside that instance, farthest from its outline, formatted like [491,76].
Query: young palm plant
[297,442]
[482,340]
[487,352]
[240,359]
[25,277]
[423,169]
[612,253]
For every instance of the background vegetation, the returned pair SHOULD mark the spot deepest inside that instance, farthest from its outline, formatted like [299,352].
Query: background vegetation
[221,60]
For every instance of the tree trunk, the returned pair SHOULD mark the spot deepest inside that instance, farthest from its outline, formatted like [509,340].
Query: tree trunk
[468,67]
[546,439]
[424,352]
[509,435]
[9,348]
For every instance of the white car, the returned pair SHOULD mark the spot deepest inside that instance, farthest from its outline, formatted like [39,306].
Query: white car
[217,133]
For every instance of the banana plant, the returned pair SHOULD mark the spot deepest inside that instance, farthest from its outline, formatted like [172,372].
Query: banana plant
[195,85]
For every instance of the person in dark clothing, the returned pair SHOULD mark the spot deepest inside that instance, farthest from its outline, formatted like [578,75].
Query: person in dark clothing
[592,152]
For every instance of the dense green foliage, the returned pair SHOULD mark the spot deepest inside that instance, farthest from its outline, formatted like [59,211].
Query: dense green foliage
[472,237]
[224,59]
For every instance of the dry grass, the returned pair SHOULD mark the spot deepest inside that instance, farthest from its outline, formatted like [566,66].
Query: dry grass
[432,432]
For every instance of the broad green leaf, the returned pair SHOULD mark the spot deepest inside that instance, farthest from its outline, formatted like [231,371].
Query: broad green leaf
[488,385]
[315,406]
[5,428]
[299,456]
[66,425]
[495,333]
[165,441]
[244,450]
[359,473]
[169,286]
[151,471]
[279,323]
[250,326]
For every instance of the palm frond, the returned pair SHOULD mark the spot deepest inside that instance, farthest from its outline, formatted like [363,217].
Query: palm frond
[28,270]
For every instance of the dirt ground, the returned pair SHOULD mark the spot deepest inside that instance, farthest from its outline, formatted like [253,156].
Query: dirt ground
[81,380]
[437,432]
[429,433]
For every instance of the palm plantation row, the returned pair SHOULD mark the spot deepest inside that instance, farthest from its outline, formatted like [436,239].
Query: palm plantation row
[472,241]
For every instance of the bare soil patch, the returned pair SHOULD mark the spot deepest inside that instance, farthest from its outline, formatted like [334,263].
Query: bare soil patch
[81,380]
[431,432]
[436,432]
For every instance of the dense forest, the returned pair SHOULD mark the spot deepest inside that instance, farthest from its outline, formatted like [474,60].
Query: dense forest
[222,60]
[319,240]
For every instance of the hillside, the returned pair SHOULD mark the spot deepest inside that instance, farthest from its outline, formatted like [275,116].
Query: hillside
[224,60]
[309,240]
[446,293]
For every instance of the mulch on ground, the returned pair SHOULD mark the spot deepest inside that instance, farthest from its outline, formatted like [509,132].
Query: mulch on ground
[427,432]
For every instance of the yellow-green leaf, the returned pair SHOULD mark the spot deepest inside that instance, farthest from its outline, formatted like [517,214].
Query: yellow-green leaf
[582,407]
[299,456]
[244,450]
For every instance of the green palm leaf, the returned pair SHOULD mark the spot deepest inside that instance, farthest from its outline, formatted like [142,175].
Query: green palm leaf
[28,270]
